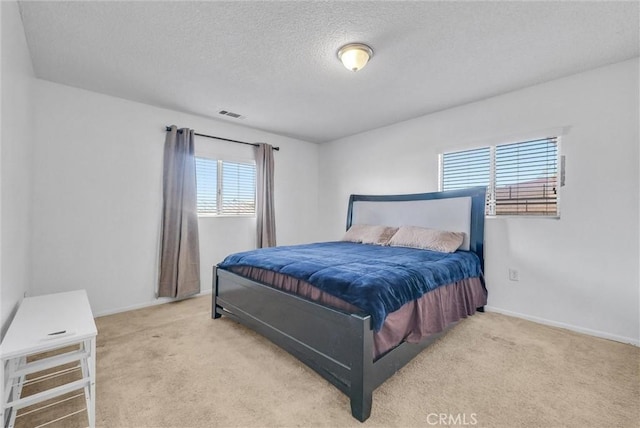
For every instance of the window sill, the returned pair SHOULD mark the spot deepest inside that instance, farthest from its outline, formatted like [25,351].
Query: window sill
[541,217]
[226,216]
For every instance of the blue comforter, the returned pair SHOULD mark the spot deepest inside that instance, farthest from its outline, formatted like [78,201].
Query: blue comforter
[376,279]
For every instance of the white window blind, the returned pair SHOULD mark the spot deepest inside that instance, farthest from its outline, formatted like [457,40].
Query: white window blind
[466,169]
[521,178]
[238,188]
[527,178]
[225,188]
[207,185]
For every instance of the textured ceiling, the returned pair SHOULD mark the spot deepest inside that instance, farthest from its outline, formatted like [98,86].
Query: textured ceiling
[275,62]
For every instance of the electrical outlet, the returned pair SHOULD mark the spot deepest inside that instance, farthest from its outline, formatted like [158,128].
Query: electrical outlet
[514,275]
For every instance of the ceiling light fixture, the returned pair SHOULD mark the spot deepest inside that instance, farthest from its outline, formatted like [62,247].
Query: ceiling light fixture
[355,56]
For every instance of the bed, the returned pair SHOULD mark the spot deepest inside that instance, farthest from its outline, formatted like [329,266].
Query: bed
[357,349]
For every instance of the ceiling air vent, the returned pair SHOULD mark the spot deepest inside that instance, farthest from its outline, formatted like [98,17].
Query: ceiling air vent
[231,114]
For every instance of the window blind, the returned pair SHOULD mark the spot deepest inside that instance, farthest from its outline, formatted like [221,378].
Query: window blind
[521,178]
[207,185]
[468,168]
[238,188]
[527,178]
[225,188]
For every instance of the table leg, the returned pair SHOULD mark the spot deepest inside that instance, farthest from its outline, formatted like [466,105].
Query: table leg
[13,391]
[91,409]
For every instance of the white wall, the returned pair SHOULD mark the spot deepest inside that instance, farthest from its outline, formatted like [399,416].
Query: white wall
[579,272]
[16,163]
[97,195]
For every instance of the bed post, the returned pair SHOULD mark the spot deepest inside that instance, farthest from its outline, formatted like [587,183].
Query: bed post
[361,370]
[214,294]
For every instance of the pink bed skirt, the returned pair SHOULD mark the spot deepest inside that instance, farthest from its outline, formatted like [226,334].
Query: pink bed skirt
[414,321]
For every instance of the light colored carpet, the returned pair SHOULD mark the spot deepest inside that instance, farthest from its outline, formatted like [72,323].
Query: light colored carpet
[173,366]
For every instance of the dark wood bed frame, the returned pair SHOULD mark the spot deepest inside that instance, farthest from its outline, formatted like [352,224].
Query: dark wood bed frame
[336,344]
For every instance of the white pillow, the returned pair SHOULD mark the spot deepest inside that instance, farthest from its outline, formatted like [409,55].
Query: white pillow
[369,234]
[427,239]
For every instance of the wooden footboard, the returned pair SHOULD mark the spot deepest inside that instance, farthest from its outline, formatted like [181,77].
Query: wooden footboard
[336,344]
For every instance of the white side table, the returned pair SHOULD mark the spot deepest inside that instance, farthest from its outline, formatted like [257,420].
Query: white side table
[45,323]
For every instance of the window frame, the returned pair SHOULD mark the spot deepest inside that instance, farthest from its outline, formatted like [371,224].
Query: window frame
[220,188]
[491,187]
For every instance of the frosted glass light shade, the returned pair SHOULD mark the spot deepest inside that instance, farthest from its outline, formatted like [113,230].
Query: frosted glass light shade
[355,56]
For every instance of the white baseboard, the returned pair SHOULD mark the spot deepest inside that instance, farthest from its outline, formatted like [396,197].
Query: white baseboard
[538,320]
[158,301]
[583,330]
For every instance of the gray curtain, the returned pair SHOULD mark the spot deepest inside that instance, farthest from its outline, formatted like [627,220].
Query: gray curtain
[179,251]
[265,212]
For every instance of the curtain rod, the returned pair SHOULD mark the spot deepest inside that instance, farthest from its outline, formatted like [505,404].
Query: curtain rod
[168,128]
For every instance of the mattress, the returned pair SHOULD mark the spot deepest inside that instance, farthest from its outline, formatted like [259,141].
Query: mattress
[377,279]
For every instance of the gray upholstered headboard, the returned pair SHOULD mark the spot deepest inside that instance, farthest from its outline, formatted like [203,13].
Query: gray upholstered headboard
[456,211]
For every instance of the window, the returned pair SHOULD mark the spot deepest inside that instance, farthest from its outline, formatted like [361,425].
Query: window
[225,188]
[521,178]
